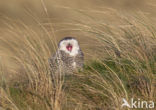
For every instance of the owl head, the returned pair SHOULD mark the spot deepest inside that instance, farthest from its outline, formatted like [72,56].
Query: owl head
[69,45]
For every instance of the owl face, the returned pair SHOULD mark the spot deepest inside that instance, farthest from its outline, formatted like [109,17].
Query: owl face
[69,45]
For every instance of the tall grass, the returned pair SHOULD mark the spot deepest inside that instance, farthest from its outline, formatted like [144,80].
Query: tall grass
[123,66]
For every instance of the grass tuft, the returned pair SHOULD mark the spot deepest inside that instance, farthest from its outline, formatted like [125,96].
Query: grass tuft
[120,64]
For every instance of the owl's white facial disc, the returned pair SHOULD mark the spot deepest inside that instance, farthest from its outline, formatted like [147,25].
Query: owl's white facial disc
[69,46]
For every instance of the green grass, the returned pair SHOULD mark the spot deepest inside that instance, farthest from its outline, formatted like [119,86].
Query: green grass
[84,88]
[120,64]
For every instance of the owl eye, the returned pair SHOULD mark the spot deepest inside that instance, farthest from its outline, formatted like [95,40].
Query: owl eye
[64,43]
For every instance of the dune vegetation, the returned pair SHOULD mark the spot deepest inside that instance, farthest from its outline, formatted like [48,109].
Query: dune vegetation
[120,59]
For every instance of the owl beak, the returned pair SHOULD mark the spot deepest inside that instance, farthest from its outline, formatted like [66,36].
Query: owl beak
[69,47]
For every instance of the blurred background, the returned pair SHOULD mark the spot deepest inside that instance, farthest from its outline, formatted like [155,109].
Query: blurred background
[118,38]
[72,17]
[58,10]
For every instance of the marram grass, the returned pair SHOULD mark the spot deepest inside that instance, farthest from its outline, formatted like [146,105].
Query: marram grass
[123,67]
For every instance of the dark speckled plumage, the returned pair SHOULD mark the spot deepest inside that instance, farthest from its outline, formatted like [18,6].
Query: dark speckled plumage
[62,62]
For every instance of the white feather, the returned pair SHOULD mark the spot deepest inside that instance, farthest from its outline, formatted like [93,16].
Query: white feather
[73,42]
[74,64]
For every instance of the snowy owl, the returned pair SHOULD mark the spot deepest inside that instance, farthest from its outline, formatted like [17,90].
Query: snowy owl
[68,58]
